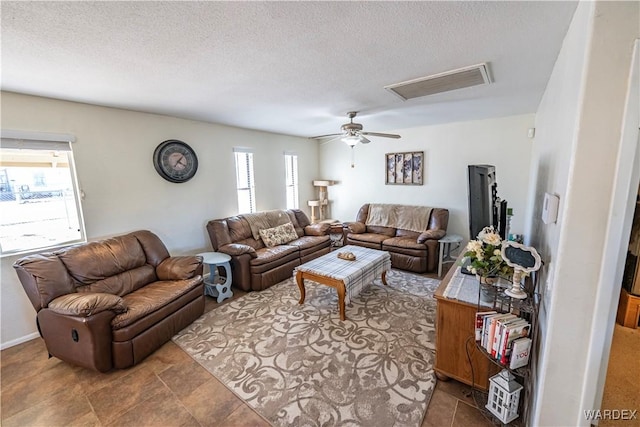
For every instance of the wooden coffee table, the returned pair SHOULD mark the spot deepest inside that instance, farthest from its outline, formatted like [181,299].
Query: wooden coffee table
[347,277]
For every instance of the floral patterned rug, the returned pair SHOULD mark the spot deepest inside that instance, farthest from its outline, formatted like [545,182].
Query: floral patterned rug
[300,365]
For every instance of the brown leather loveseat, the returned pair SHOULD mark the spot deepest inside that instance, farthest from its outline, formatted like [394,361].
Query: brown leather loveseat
[111,303]
[256,266]
[409,233]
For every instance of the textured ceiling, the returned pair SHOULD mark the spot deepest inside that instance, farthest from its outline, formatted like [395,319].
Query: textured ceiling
[288,67]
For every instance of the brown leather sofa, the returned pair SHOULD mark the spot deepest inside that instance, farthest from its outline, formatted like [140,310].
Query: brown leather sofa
[410,250]
[255,266]
[111,303]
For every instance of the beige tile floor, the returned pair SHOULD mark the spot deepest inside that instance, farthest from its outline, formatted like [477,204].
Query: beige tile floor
[167,388]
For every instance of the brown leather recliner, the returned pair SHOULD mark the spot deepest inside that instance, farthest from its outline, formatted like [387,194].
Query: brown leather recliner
[256,267]
[409,250]
[112,303]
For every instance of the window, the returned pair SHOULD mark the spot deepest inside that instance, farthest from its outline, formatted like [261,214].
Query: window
[244,181]
[291,167]
[38,193]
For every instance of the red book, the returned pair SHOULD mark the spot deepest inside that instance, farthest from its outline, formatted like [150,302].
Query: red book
[513,332]
[480,321]
[497,336]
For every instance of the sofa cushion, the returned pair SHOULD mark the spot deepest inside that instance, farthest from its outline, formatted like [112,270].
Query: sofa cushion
[95,261]
[267,255]
[152,297]
[306,242]
[238,228]
[178,267]
[299,220]
[236,249]
[405,242]
[278,235]
[356,227]
[170,315]
[123,283]
[86,305]
[48,274]
[431,235]
[369,237]
[265,220]
[406,217]
[387,231]
[153,248]
[407,233]
[319,229]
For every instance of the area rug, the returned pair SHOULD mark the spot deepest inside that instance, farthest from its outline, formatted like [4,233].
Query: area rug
[299,365]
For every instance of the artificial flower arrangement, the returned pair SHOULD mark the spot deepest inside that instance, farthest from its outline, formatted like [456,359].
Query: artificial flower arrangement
[485,255]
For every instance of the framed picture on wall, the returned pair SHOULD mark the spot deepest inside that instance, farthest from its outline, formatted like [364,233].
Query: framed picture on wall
[404,168]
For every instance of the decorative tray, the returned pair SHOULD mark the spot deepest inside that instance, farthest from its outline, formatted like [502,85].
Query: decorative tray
[347,256]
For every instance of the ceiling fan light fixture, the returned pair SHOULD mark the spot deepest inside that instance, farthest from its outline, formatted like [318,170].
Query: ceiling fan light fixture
[350,140]
[351,133]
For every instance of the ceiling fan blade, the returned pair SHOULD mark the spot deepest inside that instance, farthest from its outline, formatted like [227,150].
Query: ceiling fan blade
[384,135]
[325,136]
[364,140]
[332,139]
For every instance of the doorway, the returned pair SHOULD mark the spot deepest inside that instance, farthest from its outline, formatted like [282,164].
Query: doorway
[625,190]
[621,395]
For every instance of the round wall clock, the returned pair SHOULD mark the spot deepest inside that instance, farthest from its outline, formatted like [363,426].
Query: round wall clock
[175,161]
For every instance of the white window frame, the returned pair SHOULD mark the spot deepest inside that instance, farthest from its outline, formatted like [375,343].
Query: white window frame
[13,140]
[244,170]
[291,180]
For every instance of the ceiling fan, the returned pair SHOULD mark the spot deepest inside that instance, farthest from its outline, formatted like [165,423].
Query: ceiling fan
[352,133]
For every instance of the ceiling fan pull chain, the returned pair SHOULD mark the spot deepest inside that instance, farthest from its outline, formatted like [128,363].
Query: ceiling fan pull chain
[352,157]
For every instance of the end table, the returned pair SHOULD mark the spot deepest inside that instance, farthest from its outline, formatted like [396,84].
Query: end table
[211,286]
[445,250]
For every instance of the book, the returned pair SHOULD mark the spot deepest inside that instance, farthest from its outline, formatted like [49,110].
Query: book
[520,353]
[492,330]
[504,335]
[518,330]
[479,322]
[486,321]
[500,323]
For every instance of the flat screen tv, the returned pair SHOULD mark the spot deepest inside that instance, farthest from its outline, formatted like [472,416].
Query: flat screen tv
[484,209]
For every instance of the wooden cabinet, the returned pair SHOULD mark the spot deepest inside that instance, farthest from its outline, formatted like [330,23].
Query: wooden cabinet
[455,340]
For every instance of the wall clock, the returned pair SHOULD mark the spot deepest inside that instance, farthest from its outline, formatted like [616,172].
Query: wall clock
[175,161]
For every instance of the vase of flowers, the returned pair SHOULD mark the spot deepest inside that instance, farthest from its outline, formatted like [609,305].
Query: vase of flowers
[484,257]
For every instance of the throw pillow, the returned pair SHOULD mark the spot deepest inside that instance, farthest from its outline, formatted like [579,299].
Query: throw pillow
[278,235]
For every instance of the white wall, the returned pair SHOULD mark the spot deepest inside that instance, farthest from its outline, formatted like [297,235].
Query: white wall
[448,150]
[575,155]
[123,192]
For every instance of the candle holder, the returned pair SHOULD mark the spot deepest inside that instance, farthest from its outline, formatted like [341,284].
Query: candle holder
[516,290]
[523,259]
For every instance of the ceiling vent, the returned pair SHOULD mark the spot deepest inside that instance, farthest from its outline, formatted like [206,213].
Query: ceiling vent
[442,82]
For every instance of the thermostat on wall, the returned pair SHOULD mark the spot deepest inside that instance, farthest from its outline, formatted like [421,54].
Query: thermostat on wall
[550,208]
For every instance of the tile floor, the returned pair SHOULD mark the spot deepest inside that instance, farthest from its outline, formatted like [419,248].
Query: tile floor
[168,388]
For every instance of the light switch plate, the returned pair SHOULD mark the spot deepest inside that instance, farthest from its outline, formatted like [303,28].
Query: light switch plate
[550,208]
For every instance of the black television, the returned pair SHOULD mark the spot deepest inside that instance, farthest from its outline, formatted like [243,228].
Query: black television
[485,207]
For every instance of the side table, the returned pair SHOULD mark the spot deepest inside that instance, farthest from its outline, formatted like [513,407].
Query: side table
[445,250]
[211,286]
[336,233]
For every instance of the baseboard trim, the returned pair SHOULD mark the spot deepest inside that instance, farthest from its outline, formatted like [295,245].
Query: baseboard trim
[17,341]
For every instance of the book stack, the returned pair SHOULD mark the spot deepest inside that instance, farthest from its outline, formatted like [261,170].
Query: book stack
[505,337]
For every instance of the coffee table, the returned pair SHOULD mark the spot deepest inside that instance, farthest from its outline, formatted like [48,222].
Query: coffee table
[347,277]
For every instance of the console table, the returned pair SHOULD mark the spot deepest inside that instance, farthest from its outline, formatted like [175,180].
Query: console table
[455,334]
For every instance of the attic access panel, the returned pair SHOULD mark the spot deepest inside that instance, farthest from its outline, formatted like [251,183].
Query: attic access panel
[474,75]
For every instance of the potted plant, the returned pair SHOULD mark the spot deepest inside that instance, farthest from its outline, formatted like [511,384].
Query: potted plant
[484,257]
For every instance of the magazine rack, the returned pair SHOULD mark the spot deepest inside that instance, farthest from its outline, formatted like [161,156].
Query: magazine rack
[523,308]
